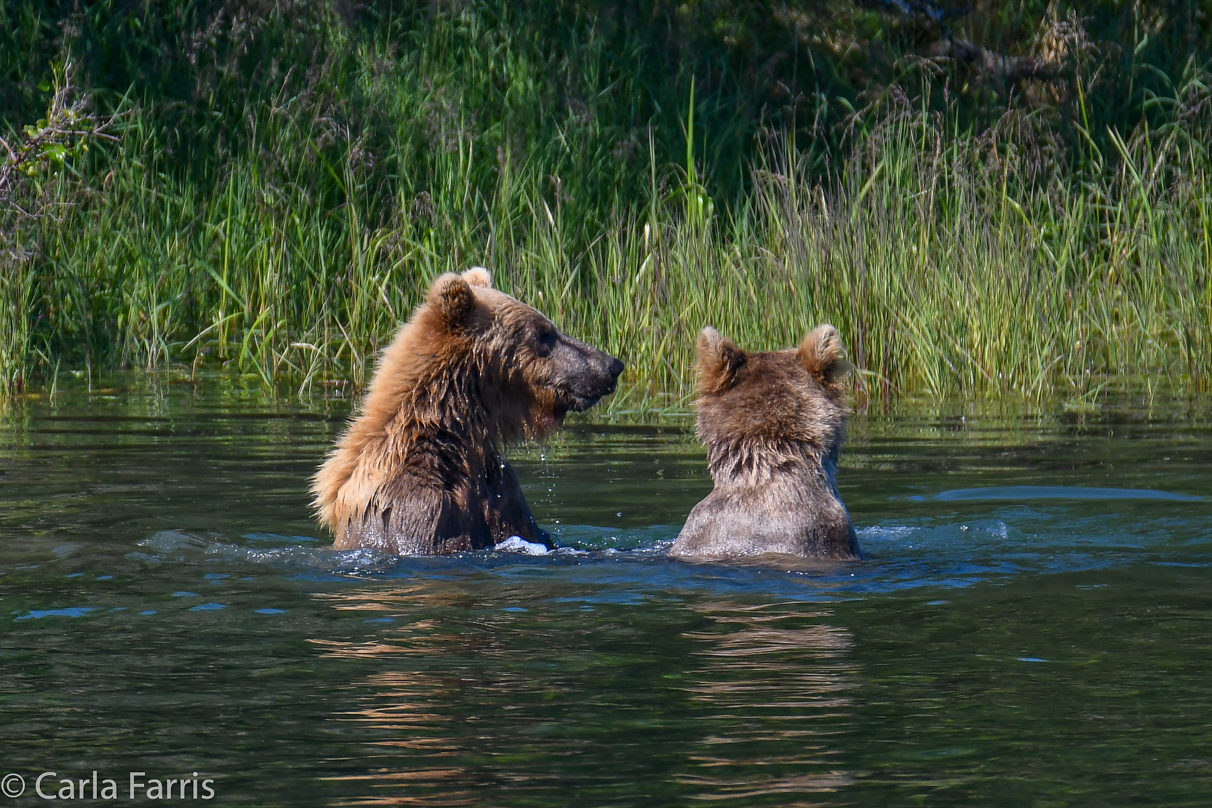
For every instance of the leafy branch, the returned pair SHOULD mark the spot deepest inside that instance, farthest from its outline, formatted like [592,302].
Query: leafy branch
[51,144]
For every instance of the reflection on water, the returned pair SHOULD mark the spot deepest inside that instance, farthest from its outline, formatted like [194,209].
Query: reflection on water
[1031,624]
[463,697]
[400,709]
[784,680]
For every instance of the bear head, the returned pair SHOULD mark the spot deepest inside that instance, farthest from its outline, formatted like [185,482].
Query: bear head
[525,372]
[760,410]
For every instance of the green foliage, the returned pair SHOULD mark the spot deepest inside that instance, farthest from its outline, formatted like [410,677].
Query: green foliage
[291,175]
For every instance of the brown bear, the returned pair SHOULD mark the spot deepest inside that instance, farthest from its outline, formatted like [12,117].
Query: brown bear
[420,471]
[773,424]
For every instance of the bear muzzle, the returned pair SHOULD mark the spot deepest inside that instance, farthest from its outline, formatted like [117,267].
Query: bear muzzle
[590,376]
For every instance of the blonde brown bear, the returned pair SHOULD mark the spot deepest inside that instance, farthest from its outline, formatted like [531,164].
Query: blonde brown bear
[420,468]
[773,423]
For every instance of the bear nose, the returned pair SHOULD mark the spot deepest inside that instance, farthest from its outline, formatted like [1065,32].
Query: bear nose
[616,367]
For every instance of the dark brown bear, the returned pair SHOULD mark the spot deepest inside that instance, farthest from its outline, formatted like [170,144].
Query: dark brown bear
[773,424]
[420,469]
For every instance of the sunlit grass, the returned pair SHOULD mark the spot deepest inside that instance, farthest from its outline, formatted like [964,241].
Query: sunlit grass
[939,282]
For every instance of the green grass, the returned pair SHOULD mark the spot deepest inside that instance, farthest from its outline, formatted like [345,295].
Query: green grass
[954,258]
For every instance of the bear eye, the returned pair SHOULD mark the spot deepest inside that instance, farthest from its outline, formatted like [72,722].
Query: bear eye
[545,340]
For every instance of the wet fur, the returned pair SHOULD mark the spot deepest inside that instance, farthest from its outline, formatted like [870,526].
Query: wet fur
[773,423]
[420,470]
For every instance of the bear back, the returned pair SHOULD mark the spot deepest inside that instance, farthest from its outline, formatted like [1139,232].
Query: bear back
[773,423]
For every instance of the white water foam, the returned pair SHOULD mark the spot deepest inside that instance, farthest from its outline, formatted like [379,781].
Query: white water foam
[516,544]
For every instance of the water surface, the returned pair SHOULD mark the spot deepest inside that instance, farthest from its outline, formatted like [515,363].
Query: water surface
[1032,623]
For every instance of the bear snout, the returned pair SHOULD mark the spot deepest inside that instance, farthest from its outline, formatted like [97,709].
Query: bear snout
[607,370]
[588,375]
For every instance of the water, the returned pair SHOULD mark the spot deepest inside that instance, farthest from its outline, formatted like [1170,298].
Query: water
[1032,626]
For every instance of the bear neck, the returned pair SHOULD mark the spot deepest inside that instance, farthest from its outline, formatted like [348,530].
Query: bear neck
[756,462]
[454,417]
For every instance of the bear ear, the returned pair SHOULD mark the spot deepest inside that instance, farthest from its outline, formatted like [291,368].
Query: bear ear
[823,355]
[719,361]
[478,276]
[452,298]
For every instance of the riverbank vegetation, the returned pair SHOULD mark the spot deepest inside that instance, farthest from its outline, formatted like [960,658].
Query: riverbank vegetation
[1015,199]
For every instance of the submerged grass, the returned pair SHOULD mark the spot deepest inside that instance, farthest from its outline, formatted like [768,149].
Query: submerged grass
[951,262]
